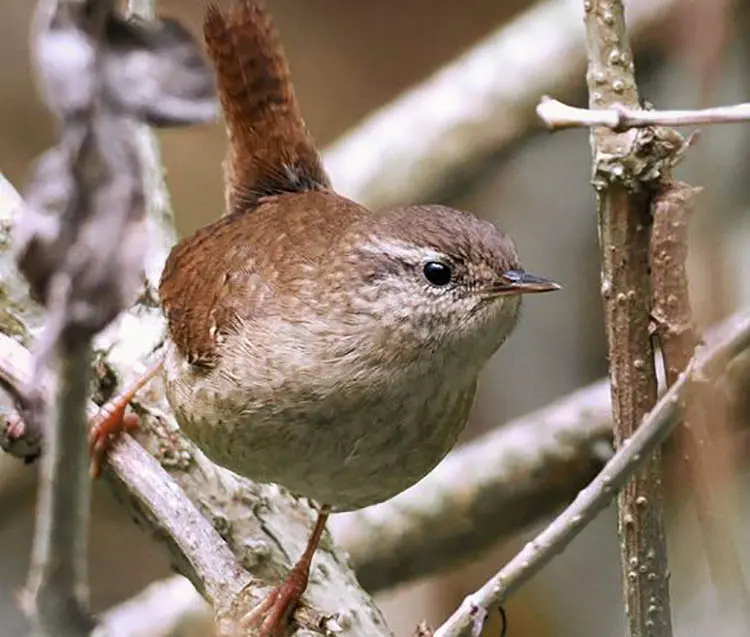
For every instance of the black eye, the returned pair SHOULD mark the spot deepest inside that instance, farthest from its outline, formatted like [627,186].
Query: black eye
[437,273]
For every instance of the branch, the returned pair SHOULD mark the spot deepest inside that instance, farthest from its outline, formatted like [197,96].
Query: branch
[91,170]
[183,501]
[624,167]
[620,117]
[479,103]
[56,595]
[488,489]
[261,524]
[732,339]
[195,547]
[674,327]
[706,413]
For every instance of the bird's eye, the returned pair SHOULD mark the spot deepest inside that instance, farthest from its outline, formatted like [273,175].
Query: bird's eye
[437,273]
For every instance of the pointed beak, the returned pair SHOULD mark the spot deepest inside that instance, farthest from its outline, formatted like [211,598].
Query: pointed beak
[526,283]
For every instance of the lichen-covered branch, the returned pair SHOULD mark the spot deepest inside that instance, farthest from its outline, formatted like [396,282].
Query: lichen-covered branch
[56,595]
[217,527]
[624,165]
[262,526]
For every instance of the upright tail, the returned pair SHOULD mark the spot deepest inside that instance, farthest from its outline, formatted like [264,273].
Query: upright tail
[270,151]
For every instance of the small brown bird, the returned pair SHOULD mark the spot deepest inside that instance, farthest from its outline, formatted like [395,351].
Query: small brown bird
[314,343]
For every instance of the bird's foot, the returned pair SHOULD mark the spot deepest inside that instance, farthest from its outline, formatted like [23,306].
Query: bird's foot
[109,423]
[271,617]
[112,420]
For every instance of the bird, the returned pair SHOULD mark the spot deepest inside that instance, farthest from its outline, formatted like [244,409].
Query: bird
[313,342]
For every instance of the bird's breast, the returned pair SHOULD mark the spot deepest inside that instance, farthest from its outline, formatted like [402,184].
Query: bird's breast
[341,443]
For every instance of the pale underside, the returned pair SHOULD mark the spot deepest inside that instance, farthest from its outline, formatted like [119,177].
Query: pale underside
[350,443]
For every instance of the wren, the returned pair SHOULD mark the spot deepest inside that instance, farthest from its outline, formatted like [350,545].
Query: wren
[312,342]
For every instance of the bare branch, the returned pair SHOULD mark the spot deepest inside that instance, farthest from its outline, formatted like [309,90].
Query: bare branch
[479,103]
[625,167]
[620,117]
[81,296]
[262,524]
[80,243]
[698,439]
[56,596]
[732,339]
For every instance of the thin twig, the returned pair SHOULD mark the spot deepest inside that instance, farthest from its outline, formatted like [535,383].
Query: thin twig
[624,215]
[732,339]
[697,445]
[620,117]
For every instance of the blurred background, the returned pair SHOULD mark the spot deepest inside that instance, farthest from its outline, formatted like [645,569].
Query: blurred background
[349,58]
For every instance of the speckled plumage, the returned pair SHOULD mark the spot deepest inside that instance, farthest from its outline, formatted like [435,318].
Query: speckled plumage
[306,345]
[343,375]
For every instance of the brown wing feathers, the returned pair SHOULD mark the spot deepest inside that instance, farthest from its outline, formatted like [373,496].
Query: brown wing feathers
[270,150]
[270,153]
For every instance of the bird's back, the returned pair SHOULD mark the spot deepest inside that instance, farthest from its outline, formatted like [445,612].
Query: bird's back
[247,265]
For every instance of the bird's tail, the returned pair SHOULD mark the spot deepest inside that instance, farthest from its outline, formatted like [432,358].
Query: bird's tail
[270,151]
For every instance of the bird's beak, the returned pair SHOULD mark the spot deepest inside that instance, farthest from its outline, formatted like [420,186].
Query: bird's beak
[519,282]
